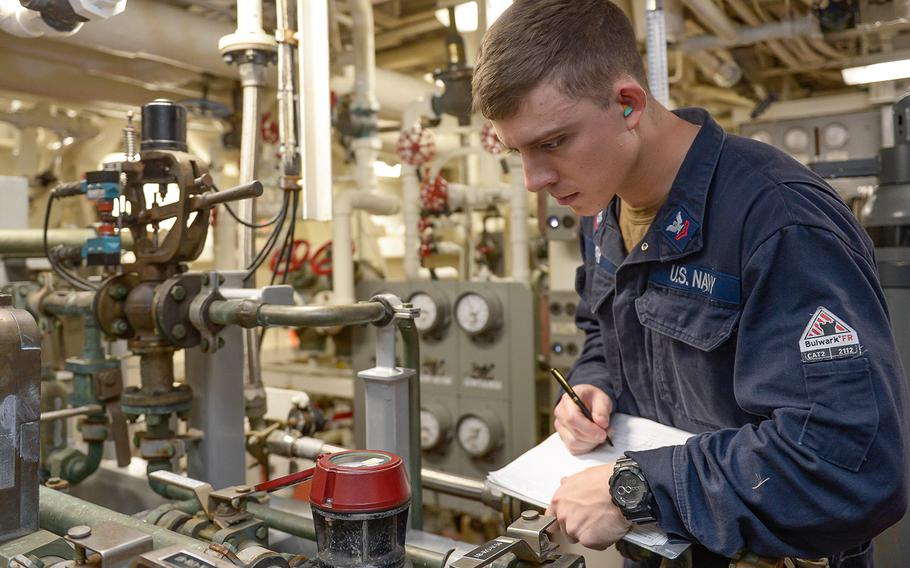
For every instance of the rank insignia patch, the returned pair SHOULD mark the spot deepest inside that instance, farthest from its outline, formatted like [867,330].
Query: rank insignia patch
[681,229]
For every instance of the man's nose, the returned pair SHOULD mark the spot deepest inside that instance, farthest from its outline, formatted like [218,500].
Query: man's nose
[538,174]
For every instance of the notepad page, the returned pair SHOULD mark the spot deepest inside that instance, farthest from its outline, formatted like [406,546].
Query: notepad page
[535,475]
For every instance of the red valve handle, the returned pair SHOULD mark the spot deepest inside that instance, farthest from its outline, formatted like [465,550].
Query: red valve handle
[286,481]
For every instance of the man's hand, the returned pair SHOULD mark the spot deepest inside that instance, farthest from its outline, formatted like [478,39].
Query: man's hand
[579,434]
[584,510]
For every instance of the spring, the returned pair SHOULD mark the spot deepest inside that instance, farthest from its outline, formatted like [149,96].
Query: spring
[130,140]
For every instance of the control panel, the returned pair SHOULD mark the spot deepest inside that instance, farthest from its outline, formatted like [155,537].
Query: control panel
[478,354]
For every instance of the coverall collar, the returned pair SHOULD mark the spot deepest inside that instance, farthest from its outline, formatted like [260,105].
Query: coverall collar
[677,229]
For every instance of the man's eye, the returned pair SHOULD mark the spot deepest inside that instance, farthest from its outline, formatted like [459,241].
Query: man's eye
[553,144]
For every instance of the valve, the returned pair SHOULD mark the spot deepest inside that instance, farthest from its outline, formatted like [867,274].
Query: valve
[416,145]
[434,195]
[490,140]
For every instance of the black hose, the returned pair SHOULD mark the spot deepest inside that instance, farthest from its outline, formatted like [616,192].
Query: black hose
[72,279]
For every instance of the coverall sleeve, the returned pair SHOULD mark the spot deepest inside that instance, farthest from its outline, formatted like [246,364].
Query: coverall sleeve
[591,367]
[825,468]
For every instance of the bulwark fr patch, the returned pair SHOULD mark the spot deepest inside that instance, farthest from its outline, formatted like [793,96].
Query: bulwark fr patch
[828,337]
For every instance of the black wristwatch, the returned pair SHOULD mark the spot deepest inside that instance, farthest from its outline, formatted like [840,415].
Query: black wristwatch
[631,493]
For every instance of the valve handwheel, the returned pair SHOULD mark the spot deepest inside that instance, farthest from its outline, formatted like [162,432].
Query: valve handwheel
[434,195]
[416,145]
[300,254]
[490,140]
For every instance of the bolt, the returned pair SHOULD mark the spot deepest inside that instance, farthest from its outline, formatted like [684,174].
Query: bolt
[205,279]
[530,515]
[120,326]
[179,331]
[220,342]
[244,489]
[178,293]
[262,532]
[221,279]
[204,345]
[79,531]
[117,292]
[23,290]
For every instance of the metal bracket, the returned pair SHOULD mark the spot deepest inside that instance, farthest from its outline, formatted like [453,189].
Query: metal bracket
[116,544]
[526,538]
[225,507]
[199,309]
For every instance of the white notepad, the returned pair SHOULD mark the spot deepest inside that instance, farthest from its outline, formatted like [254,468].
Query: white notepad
[535,475]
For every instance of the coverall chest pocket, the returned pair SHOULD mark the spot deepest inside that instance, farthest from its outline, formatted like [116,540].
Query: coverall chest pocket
[691,355]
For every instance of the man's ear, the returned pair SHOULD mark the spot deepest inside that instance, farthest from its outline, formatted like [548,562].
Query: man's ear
[631,99]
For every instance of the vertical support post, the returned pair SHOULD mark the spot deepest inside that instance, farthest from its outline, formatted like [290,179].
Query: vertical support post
[218,404]
[20,409]
[657,52]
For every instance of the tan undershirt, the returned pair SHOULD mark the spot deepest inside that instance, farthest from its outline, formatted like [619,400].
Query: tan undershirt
[634,222]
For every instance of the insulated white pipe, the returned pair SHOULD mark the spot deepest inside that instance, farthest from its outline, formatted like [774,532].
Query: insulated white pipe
[342,256]
[315,109]
[419,107]
[521,271]
[251,20]
[364,56]
[658,76]
[713,17]
[20,21]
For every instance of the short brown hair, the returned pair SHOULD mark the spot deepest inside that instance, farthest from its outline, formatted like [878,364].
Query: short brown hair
[584,45]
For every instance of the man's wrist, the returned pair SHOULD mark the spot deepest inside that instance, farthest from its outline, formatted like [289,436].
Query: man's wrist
[631,493]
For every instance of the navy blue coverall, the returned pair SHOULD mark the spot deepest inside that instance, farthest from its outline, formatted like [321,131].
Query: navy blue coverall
[751,314]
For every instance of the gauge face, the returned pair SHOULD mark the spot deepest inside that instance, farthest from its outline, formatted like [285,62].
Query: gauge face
[429,311]
[430,430]
[475,436]
[762,136]
[796,140]
[835,135]
[473,313]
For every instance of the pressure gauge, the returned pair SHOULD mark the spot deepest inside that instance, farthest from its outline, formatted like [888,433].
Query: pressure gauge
[835,135]
[434,312]
[761,136]
[479,434]
[796,140]
[478,312]
[435,426]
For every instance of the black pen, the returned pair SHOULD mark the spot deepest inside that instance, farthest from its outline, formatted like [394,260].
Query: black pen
[571,392]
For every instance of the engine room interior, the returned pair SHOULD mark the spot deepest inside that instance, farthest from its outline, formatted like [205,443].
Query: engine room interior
[273,294]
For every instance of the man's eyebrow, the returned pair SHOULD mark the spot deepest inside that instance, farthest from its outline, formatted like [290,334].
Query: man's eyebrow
[542,137]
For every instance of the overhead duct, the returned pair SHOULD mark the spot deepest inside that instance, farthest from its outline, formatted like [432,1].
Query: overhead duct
[713,18]
[806,26]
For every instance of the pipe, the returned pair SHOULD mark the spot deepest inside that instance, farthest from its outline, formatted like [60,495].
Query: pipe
[410,340]
[22,22]
[364,48]
[521,258]
[723,74]
[745,12]
[314,110]
[657,51]
[342,254]
[416,109]
[713,17]
[287,130]
[79,466]
[805,26]
[62,303]
[52,415]
[58,512]
[250,313]
[29,242]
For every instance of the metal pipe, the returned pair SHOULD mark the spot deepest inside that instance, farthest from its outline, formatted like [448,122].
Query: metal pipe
[52,415]
[250,314]
[287,130]
[806,26]
[658,80]
[29,242]
[58,512]
[457,485]
[410,340]
[68,303]
[314,109]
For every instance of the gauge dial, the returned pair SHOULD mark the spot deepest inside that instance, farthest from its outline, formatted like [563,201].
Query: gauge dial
[435,426]
[478,313]
[434,312]
[430,430]
[796,140]
[479,434]
[835,135]
[761,136]
[475,436]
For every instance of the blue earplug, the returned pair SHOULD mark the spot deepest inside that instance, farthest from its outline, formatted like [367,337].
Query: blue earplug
[627,111]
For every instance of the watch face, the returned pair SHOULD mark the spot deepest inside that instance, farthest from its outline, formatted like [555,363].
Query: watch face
[629,490]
